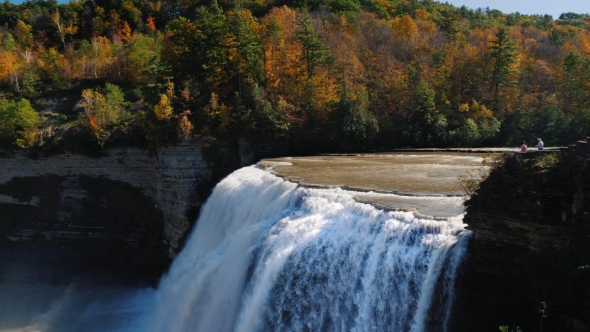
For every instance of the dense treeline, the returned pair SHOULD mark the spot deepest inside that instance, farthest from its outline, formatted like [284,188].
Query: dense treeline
[380,73]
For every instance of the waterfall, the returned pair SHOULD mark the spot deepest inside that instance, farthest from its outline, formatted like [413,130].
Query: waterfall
[269,255]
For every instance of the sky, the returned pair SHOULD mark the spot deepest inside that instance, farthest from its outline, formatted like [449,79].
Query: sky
[551,7]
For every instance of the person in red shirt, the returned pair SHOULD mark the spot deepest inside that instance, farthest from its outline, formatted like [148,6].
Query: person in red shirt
[523,147]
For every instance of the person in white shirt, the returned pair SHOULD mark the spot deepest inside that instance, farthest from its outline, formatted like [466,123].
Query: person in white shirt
[539,144]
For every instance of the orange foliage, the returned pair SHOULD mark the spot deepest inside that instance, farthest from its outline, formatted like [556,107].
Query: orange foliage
[151,23]
[92,122]
[282,52]
[125,32]
[422,14]
[404,27]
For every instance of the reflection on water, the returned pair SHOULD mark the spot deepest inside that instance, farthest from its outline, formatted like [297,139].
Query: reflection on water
[403,181]
[45,307]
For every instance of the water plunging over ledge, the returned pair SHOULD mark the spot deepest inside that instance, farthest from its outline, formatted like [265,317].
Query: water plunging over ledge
[268,254]
[283,247]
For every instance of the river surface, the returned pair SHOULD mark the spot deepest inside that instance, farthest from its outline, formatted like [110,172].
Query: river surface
[336,243]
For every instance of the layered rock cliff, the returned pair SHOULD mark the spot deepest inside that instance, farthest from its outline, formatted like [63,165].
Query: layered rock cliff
[531,244]
[119,217]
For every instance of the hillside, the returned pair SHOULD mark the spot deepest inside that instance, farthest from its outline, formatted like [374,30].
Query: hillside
[315,74]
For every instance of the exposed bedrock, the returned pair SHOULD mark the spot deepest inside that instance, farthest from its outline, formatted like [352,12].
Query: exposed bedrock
[120,217]
[531,244]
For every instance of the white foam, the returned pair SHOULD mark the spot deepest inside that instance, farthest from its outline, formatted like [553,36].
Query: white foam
[269,255]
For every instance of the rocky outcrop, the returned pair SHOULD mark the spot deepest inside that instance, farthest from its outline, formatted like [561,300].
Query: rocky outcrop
[119,217]
[531,243]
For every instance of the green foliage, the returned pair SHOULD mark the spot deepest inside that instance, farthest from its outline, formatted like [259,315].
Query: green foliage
[449,24]
[344,6]
[546,161]
[430,125]
[249,65]
[552,124]
[8,43]
[351,119]
[503,53]
[267,119]
[314,51]
[18,123]
[505,328]
[328,69]
[103,110]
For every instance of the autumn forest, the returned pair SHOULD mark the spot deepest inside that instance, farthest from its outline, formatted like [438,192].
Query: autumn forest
[316,74]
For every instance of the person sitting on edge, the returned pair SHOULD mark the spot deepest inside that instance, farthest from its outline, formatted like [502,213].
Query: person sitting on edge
[540,144]
[523,146]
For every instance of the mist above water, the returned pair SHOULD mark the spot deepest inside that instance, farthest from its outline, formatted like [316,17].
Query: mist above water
[45,307]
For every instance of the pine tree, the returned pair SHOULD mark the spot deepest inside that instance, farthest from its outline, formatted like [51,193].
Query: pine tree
[315,53]
[504,54]
[449,24]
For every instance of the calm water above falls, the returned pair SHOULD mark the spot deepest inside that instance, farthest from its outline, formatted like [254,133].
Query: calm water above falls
[269,254]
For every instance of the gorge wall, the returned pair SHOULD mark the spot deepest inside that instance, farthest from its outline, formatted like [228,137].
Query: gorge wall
[119,217]
[531,244]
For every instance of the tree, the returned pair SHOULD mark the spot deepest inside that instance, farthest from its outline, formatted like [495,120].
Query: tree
[314,51]
[505,56]
[164,110]
[8,43]
[428,124]
[18,123]
[247,48]
[449,24]
[24,35]
[404,27]
[351,120]
[185,127]
[64,28]
[9,67]
[102,110]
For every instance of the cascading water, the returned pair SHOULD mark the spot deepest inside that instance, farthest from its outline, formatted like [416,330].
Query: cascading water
[269,255]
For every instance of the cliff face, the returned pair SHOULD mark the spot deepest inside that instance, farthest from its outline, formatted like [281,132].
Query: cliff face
[531,239]
[120,217]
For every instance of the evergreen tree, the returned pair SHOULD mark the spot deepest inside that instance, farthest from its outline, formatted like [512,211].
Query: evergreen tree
[504,54]
[449,24]
[314,51]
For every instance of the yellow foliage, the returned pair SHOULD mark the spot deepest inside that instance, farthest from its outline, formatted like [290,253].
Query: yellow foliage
[185,127]
[163,110]
[125,32]
[94,104]
[23,35]
[567,47]
[404,27]
[464,108]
